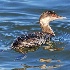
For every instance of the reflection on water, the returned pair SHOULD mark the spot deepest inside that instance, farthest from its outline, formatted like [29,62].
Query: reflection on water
[38,67]
[48,63]
[52,46]
[55,64]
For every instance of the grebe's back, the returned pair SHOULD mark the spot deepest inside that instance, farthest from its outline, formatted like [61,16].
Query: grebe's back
[30,40]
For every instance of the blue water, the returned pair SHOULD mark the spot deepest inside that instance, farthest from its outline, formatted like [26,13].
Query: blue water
[21,16]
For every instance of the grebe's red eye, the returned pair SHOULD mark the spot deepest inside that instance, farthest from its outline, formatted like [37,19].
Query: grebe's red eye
[54,15]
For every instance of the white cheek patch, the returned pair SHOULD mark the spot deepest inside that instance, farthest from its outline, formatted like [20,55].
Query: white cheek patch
[45,21]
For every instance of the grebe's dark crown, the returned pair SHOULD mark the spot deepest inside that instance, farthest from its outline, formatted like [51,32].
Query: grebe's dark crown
[48,13]
[51,12]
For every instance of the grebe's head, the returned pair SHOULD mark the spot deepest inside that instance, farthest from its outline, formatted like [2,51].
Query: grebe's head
[48,16]
[45,19]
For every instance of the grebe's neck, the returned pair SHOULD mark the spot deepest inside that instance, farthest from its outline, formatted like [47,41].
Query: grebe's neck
[45,19]
[44,22]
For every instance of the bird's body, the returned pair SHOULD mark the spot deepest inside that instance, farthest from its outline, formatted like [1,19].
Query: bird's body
[31,40]
[37,38]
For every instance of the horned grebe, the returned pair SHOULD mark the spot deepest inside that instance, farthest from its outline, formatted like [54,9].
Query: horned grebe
[37,38]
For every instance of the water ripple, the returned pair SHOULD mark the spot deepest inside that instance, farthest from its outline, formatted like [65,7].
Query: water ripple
[21,16]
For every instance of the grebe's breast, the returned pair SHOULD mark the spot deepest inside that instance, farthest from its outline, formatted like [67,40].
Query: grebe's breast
[30,40]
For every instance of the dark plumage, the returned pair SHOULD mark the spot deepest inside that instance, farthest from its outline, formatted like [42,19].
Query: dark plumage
[30,40]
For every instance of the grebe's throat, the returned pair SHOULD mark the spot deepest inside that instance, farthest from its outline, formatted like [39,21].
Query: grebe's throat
[44,23]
